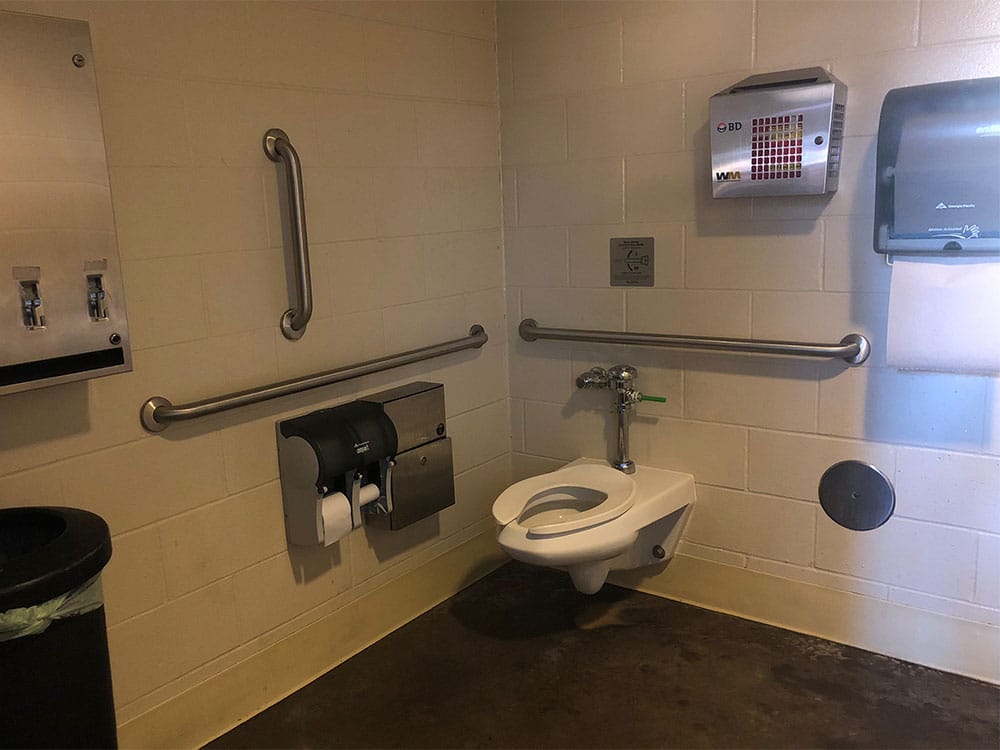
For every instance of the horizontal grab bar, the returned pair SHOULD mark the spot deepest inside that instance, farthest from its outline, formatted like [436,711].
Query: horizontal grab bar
[157,413]
[853,348]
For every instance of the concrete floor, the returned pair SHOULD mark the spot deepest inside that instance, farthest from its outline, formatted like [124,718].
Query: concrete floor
[520,659]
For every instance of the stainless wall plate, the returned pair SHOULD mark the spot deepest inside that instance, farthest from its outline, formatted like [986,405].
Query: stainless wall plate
[632,261]
[62,299]
[857,495]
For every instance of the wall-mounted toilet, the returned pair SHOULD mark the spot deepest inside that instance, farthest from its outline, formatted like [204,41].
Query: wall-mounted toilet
[590,518]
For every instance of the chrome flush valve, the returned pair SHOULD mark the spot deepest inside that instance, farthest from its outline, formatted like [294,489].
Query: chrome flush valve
[620,378]
[595,377]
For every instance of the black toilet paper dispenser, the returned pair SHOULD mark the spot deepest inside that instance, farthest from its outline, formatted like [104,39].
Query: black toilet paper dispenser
[386,455]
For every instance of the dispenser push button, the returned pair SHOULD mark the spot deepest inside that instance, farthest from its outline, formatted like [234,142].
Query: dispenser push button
[97,303]
[31,306]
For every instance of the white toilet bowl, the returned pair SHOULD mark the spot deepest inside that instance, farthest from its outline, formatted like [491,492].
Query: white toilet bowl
[590,518]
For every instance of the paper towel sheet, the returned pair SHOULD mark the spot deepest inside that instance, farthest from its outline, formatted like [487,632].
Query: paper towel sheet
[944,315]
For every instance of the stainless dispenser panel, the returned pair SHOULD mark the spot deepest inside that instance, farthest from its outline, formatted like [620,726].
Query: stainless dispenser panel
[422,484]
[777,134]
[416,410]
[62,305]
[423,477]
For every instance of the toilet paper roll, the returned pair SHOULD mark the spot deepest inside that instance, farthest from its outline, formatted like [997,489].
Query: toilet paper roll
[336,518]
[368,493]
[336,510]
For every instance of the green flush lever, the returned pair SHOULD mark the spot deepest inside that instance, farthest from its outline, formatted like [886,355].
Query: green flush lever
[629,397]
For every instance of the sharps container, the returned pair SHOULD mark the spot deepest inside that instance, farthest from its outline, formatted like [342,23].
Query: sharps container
[55,675]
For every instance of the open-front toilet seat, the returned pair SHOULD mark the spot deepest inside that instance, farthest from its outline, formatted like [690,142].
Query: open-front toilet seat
[570,499]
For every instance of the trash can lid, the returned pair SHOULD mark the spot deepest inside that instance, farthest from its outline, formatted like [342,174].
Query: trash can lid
[45,552]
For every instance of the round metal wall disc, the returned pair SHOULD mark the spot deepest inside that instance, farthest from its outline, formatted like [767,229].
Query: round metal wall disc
[857,495]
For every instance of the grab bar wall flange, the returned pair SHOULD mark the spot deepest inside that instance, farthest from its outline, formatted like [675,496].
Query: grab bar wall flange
[853,348]
[157,413]
[864,348]
[278,147]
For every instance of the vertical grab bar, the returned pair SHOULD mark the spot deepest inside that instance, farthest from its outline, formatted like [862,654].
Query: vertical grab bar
[279,148]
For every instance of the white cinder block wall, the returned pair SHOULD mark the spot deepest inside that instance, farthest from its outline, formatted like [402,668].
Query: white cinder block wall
[393,110]
[604,110]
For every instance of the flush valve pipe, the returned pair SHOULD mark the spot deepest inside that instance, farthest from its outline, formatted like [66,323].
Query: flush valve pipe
[620,378]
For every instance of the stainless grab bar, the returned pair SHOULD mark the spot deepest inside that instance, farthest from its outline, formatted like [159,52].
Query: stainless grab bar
[853,348]
[157,412]
[278,147]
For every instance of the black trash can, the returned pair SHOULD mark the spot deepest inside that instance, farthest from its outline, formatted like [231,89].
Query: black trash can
[55,675]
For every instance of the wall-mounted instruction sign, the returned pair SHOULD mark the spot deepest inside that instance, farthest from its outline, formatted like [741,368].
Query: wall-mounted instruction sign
[631,261]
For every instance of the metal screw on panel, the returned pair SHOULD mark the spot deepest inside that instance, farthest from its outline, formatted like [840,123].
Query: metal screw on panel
[658,552]
[440,429]
[423,460]
[79,60]
[115,339]
[818,140]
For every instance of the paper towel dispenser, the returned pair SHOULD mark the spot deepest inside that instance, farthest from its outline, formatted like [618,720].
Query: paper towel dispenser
[62,303]
[777,134]
[384,460]
[937,184]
